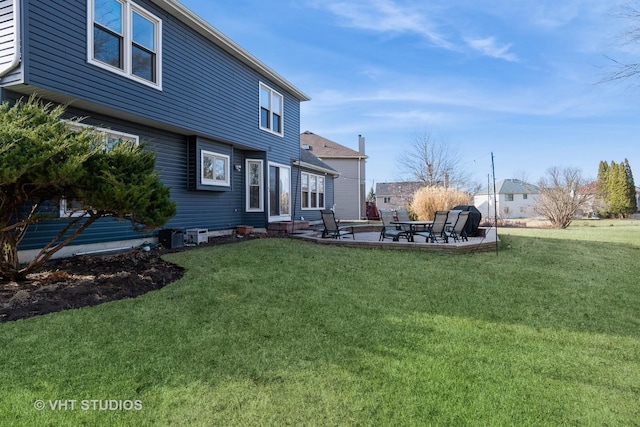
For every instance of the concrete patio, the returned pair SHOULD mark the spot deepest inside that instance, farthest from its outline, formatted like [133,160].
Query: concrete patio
[368,236]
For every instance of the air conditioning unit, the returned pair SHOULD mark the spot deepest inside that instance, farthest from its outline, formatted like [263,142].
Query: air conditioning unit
[195,236]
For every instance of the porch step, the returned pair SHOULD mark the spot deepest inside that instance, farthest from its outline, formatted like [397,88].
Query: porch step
[288,226]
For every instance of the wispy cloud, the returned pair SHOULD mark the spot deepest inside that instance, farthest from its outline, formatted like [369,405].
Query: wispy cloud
[490,47]
[386,16]
[394,17]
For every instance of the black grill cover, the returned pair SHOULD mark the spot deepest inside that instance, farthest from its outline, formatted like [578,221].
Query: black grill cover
[474,219]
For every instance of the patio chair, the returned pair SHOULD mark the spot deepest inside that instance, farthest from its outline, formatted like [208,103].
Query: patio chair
[451,219]
[388,229]
[332,228]
[437,229]
[457,232]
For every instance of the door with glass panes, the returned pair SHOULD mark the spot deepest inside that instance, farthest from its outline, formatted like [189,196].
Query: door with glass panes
[279,192]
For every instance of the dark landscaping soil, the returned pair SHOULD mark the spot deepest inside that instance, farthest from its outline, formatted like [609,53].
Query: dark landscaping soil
[91,280]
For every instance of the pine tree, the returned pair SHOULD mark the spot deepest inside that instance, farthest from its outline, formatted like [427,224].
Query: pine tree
[616,186]
[602,190]
[631,189]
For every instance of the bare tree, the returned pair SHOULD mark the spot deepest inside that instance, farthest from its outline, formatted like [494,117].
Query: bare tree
[626,71]
[434,163]
[561,195]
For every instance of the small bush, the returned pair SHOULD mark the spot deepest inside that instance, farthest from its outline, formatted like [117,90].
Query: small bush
[427,200]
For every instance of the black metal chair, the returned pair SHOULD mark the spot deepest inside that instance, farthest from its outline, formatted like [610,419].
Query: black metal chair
[457,232]
[389,230]
[437,230]
[332,228]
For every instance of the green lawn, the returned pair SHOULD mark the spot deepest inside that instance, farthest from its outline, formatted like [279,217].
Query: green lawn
[285,332]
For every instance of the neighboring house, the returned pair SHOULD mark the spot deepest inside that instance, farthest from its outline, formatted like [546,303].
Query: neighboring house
[396,195]
[349,192]
[515,199]
[591,205]
[224,126]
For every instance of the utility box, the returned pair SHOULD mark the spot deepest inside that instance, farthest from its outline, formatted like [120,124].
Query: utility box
[195,236]
[170,238]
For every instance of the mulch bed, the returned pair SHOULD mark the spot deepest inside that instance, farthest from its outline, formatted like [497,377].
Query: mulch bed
[91,280]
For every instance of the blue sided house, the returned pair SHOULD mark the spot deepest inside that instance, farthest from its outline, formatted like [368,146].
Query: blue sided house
[224,126]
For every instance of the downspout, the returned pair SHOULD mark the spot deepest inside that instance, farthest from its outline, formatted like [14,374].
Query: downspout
[361,185]
[359,188]
[17,28]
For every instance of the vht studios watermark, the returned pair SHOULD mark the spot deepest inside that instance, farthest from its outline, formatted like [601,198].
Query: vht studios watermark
[88,405]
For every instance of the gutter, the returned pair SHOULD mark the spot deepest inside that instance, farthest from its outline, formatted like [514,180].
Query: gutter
[306,165]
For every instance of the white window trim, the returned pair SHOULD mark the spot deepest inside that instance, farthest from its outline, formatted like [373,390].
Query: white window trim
[227,166]
[317,207]
[64,212]
[106,132]
[247,179]
[127,8]
[273,218]
[269,129]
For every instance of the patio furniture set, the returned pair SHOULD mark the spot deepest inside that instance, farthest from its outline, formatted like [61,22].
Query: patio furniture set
[445,225]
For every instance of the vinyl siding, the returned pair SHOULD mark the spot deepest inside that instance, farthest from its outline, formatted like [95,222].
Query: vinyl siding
[204,89]
[206,94]
[347,187]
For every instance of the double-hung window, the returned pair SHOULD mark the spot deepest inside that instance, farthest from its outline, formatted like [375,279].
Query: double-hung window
[126,39]
[271,108]
[312,191]
[110,138]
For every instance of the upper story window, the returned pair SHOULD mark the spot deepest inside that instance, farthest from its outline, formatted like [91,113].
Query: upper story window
[508,197]
[271,108]
[126,39]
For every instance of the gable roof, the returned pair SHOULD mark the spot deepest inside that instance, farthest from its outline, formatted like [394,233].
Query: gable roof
[309,161]
[396,188]
[202,27]
[325,148]
[512,186]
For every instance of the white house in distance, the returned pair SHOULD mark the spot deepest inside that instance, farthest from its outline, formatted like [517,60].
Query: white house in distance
[515,199]
[349,187]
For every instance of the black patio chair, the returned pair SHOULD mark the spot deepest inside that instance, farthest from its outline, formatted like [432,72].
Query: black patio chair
[457,232]
[389,230]
[332,228]
[437,230]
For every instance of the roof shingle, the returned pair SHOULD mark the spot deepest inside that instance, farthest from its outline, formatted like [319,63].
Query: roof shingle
[325,148]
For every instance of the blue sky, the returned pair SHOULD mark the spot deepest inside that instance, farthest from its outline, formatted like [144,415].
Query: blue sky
[515,78]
